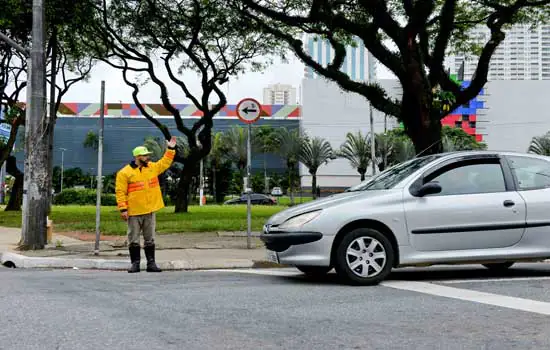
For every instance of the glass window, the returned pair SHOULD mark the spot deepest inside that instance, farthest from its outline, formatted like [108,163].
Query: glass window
[470,178]
[530,173]
[394,175]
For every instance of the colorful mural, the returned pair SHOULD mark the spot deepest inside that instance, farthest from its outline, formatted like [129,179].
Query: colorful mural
[158,110]
[466,116]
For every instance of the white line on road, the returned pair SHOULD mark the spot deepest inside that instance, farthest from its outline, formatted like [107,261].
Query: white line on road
[485,280]
[528,305]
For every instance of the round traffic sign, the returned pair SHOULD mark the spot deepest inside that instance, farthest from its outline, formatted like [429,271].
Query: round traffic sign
[248,110]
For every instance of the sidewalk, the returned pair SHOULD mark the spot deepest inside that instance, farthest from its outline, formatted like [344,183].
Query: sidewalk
[192,251]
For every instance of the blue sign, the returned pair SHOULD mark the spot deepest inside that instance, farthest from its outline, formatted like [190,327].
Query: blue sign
[5,129]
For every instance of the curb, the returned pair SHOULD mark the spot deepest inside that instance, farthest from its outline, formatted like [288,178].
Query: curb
[14,260]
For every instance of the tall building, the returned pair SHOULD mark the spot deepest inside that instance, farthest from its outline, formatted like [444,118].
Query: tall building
[356,63]
[523,55]
[279,94]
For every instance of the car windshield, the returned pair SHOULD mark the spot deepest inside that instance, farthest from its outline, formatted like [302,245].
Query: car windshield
[394,175]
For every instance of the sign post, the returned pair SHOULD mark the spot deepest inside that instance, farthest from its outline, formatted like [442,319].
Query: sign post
[248,111]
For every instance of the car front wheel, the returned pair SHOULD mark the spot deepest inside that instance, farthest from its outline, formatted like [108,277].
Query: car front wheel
[314,271]
[364,257]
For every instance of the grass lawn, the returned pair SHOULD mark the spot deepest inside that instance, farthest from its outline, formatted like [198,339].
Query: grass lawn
[209,218]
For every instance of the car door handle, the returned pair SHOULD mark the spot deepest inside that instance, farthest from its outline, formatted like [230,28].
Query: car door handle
[509,203]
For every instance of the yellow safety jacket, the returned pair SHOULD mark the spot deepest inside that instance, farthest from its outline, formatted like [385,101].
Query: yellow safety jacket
[137,188]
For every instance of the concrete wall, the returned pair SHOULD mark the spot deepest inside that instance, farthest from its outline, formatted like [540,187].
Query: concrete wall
[516,112]
[331,113]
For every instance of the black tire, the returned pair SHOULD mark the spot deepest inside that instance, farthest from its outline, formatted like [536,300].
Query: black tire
[499,266]
[347,274]
[315,271]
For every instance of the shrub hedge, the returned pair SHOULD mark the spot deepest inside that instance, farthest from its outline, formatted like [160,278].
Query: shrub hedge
[74,196]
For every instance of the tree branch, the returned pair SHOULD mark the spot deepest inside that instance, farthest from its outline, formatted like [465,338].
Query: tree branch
[15,45]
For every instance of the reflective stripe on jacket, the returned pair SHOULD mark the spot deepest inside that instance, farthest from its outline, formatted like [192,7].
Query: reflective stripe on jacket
[138,189]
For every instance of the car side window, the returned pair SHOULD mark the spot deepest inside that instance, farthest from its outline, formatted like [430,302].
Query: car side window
[470,178]
[531,173]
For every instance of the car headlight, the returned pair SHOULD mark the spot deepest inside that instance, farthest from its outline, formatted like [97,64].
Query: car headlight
[299,221]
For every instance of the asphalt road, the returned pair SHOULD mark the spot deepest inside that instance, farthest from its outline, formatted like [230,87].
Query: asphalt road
[436,308]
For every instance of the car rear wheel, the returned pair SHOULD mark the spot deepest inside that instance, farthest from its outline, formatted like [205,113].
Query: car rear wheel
[315,271]
[499,266]
[364,257]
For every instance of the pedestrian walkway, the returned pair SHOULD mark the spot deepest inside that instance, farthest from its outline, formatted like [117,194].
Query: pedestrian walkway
[174,251]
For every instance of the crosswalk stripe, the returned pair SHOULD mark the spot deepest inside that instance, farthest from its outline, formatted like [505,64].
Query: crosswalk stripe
[522,304]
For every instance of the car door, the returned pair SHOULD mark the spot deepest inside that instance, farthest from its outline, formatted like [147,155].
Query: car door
[532,176]
[477,207]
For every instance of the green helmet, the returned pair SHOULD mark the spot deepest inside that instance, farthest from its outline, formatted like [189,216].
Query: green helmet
[141,151]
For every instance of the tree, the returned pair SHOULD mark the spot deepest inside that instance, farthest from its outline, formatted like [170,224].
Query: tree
[289,145]
[235,140]
[422,32]
[219,166]
[66,58]
[315,152]
[540,145]
[91,140]
[188,37]
[357,150]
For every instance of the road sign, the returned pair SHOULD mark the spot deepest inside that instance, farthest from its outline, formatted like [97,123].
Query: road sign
[249,110]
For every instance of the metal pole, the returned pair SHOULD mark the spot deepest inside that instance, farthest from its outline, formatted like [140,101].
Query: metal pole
[201,183]
[385,143]
[62,167]
[99,170]
[371,117]
[248,190]
[2,183]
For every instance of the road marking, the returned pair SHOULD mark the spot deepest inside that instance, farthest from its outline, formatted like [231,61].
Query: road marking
[528,305]
[485,280]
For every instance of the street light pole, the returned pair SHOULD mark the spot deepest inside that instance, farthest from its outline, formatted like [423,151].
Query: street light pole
[371,117]
[62,167]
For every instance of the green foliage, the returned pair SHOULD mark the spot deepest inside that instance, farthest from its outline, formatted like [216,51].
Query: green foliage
[357,150]
[316,152]
[83,197]
[91,140]
[540,145]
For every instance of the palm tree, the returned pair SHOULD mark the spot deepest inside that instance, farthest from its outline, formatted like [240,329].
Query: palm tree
[216,157]
[540,145]
[235,140]
[357,150]
[314,153]
[289,144]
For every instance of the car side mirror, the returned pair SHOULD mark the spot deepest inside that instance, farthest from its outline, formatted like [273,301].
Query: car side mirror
[427,188]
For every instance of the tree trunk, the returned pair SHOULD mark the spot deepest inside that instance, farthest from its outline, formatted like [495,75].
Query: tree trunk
[362,172]
[423,130]
[16,197]
[184,186]
[53,115]
[314,185]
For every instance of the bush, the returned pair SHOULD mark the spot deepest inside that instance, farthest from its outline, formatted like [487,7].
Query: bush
[88,197]
[83,197]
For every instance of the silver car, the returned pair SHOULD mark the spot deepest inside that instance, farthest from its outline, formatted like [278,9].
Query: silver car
[491,208]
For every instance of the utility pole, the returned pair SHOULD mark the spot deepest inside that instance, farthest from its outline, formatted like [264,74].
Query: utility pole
[35,196]
[99,170]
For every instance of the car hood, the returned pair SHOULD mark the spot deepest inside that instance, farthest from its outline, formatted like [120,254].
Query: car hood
[324,203]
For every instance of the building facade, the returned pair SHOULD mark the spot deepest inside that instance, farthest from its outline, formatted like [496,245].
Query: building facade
[125,128]
[279,94]
[506,115]
[523,55]
[359,64]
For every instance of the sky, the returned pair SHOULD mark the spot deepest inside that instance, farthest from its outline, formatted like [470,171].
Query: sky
[248,85]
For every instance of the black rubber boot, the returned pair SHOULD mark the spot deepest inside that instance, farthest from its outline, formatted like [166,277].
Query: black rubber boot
[150,254]
[135,258]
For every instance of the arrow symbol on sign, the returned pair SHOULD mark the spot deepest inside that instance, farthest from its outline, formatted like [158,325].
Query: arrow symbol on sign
[246,110]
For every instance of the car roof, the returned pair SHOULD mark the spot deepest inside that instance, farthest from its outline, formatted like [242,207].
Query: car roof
[455,154]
